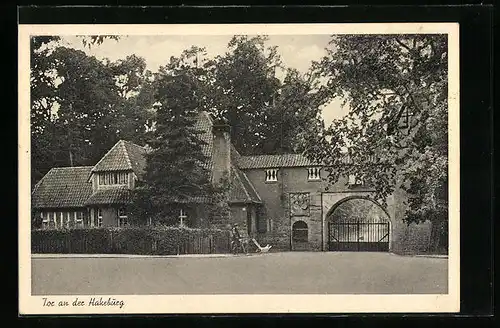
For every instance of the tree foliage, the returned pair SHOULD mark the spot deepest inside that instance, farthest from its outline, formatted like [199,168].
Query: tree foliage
[81,106]
[266,114]
[384,80]
[176,171]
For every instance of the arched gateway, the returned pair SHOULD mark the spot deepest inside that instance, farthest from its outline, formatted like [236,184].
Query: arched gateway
[357,223]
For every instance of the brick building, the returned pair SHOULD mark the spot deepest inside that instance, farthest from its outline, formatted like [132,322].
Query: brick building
[283,200]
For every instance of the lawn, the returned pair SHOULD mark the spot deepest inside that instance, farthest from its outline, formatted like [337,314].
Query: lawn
[273,273]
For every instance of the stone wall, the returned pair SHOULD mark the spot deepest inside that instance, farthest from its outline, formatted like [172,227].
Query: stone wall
[322,197]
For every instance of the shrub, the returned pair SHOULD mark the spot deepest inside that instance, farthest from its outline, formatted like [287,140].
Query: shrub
[159,240]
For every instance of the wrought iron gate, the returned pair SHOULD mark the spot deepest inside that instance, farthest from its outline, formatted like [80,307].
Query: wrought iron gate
[360,236]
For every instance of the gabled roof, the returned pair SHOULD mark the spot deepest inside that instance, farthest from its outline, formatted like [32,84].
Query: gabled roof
[71,187]
[63,187]
[273,161]
[123,156]
[241,189]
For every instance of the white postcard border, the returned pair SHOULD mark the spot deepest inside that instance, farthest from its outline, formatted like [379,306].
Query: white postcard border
[29,304]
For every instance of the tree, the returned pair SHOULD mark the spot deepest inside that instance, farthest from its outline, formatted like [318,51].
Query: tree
[49,147]
[87,96]
[395,134]
[242,83]
[293,116]
[176,169]
[136,98]
[241,87]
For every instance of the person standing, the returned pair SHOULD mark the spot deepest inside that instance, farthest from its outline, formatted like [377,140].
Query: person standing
[235,238]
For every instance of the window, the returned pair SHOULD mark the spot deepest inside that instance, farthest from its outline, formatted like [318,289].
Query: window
[271,175]
[79,219]
[99,217]
[313,173]
[113,178]
[122,213]
[182,217]
[68,219]
[354,181]
[299,232]
[122,217]
[404,121]
[45,220]
[61,220]
[52,223]
[54,219]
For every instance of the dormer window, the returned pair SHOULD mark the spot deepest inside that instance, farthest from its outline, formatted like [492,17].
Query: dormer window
[271,175]
[113,178]
[354,181]
[313,174]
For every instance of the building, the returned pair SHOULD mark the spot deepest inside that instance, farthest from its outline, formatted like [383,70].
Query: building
[283,200]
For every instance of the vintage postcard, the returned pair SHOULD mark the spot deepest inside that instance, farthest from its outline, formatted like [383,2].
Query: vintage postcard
[253,168]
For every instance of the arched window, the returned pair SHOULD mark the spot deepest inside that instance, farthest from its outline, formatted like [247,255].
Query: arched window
[299,232]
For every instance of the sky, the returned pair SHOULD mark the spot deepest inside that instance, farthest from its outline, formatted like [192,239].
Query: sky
[296,51]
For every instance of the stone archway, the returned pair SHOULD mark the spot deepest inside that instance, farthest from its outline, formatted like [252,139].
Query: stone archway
[353,197]
[367,231]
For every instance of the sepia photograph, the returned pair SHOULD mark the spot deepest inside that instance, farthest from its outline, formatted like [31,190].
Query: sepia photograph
[286,165]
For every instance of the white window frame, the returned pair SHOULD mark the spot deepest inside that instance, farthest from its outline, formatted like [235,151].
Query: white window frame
[79,219]
[314,173]
[68,219]
[54,219]
[45,220]
[182,216]
[271,175]
[354,181]
[99,217]
[115,178]
[122,219]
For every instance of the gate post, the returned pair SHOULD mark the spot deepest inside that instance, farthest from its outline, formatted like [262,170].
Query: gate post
[357,234]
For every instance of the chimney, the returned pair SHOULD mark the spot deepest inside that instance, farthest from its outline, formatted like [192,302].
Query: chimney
[222,151]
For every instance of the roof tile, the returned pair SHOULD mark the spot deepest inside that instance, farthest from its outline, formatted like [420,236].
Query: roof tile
[204,124]
[63,187]
[273,161]
[70,187]
[137,157]
[113,195]
[241,190]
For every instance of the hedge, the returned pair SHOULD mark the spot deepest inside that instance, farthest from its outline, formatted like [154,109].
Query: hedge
[131,240]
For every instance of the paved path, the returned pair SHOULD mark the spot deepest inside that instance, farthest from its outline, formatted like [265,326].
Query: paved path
[273,273]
